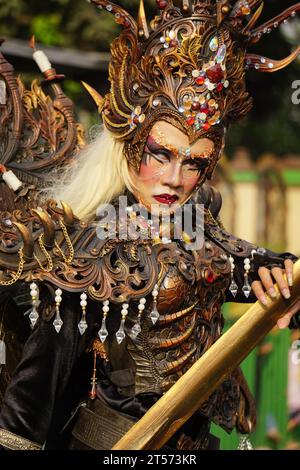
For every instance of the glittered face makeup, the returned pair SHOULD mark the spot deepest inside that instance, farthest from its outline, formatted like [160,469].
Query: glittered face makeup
[170,168]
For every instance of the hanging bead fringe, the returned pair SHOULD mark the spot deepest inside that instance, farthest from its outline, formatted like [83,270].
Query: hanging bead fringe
[58,321]
[246,287]
[120,334]
[136,329]
[34,292]
[103,333]
[233,288]
[82,325]
[154,315]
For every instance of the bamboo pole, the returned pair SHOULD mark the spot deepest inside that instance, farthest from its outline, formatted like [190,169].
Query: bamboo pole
[178,404]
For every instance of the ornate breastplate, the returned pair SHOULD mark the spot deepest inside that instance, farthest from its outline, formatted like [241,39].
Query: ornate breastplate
[191,291]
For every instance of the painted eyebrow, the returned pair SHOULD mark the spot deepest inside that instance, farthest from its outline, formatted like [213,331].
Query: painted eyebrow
[153,145]
[196,159]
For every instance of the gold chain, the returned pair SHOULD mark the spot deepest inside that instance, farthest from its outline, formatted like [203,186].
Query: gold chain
[69,259]
[17,275]
[46,254]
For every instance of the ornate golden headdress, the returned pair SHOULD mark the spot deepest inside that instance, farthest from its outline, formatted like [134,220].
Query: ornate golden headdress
[188,68]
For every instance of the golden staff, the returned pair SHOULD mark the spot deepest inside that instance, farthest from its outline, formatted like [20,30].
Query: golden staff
[178,404]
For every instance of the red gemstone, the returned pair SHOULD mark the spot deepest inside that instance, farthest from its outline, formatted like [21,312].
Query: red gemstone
[200,80]
[190,120]
[220,87]
[195,106]
[209,276]
[162,4]
[136,120]
[215,73]
[206,126]
[204,109]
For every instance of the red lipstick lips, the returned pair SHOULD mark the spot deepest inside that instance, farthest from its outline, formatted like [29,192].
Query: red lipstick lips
[166,198]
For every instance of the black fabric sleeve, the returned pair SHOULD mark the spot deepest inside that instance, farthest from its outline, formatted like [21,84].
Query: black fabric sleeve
[41,377]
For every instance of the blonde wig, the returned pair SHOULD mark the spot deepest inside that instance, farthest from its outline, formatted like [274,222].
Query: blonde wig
[99,174]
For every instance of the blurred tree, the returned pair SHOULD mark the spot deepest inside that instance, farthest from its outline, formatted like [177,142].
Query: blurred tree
[272,126]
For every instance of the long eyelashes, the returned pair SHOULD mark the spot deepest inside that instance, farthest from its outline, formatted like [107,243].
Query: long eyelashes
[190,168]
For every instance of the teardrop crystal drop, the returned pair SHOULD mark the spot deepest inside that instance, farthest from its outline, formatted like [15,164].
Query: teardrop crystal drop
[103,333]
[82,326]
[154,315]
[58,323]
[33,317]
[135,331]
[246,288]
[120,334]
[233,288]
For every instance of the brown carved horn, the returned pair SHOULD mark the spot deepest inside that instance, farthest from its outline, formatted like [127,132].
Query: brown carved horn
[98,99]
[48,226]
[124,18]
[274,23]
[68,214]
[143,29]
[264,64]
[254,18]
[27,240]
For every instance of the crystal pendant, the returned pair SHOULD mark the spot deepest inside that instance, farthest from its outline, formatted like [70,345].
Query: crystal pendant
[120,334]
[154,315]
[135,330]
[82,326]
[233,288]
[214,44]
[103,333]
[58,323]
[246,288]
[221,54]
[34,316]
[244,443]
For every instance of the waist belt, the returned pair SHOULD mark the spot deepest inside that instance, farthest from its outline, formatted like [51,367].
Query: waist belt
[99,427]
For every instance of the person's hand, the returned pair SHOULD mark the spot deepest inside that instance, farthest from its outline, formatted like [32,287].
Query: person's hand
[284,280]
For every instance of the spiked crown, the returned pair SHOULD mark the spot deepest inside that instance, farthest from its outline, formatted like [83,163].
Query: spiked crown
[187,68]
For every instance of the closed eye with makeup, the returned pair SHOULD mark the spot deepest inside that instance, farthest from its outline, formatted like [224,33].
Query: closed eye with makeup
[171,168]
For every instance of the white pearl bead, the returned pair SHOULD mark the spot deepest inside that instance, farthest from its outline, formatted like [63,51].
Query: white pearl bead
[124,311]
[33,286]
[83,296]
[126,306]
[155,293]
[58,292]
[141,308]
[247,261]
[83,303]
[34,293]
[106,302]
[105,309]
[58,299]
[247,266]
[142,301]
